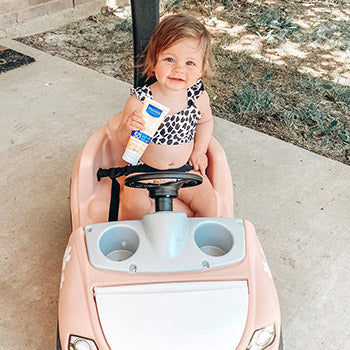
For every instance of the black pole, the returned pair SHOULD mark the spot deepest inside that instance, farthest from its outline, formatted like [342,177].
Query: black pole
[145,17]
[164,204]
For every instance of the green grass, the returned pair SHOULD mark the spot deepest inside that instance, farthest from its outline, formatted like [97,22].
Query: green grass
[323,89]
[253,98]
[273,24]
[126,25]
[335,34]
[170,4]
[318,121]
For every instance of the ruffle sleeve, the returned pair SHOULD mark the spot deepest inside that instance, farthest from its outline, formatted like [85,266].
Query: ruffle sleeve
[195,91]
[141,92]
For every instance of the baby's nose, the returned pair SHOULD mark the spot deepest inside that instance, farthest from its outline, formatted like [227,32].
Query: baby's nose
[179,67]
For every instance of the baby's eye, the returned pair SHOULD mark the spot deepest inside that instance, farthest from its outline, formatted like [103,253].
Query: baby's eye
[169,59]
[190,63]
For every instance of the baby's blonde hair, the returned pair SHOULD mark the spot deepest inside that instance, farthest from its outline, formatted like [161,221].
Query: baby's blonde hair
[171,30]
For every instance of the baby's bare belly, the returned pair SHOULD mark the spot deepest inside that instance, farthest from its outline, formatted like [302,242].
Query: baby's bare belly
[165,156]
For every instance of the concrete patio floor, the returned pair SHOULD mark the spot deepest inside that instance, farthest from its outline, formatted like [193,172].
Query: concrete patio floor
[298,201]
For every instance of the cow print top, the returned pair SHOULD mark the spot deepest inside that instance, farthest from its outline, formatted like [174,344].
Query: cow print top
[180,127]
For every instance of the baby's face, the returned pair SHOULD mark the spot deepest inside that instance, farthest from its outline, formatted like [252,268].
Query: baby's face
[180,66]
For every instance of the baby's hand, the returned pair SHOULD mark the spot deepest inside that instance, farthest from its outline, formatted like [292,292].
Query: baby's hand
[199,161]
[134,121]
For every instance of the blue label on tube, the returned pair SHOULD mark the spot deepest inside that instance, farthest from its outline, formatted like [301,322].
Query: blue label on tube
[141,136]
[153,111]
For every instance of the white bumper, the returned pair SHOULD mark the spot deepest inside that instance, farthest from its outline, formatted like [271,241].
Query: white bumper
[173,316]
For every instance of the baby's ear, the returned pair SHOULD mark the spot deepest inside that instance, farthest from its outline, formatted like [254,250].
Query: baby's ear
[207,71]
[152,70]
[205,67]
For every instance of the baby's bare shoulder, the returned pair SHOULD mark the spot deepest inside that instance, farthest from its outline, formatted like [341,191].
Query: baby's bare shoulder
[133,103]
[203,104]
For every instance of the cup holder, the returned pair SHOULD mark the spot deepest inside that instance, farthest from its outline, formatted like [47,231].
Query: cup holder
[119,243]
[213,239]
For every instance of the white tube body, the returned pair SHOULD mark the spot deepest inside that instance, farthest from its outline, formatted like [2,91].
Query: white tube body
[153,113]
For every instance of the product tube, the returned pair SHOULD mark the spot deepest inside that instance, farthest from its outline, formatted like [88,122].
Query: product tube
[153,113]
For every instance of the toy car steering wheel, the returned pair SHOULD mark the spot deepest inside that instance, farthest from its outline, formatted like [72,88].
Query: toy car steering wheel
[163,193]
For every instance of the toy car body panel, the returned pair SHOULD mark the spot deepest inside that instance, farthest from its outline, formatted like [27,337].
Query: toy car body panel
[168,280]
[81,313]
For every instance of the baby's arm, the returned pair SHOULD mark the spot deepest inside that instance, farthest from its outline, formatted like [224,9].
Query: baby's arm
[132,120]
[198,158]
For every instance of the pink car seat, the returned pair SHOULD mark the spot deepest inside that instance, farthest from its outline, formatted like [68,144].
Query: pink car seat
[90,198]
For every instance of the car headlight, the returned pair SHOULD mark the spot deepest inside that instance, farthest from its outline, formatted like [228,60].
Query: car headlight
[79,343]
[262,338]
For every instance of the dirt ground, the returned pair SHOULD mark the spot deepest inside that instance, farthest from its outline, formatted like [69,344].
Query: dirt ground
[282,67]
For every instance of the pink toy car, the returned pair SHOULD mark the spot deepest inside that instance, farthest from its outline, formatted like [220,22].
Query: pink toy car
[169,281]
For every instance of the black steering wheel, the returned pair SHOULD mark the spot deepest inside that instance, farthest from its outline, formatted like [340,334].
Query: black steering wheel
[164,192]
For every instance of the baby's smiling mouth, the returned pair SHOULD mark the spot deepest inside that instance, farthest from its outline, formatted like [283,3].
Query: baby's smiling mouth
[176,79]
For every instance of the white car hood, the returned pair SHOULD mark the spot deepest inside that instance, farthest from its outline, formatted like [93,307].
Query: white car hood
[174,316]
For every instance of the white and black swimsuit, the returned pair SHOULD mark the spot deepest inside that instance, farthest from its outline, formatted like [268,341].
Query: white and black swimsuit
[178,128]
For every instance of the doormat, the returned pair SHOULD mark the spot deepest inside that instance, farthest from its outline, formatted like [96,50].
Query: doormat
[10,59]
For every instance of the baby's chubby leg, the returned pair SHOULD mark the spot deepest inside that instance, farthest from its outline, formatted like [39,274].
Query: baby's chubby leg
[135,203]
[201,199]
